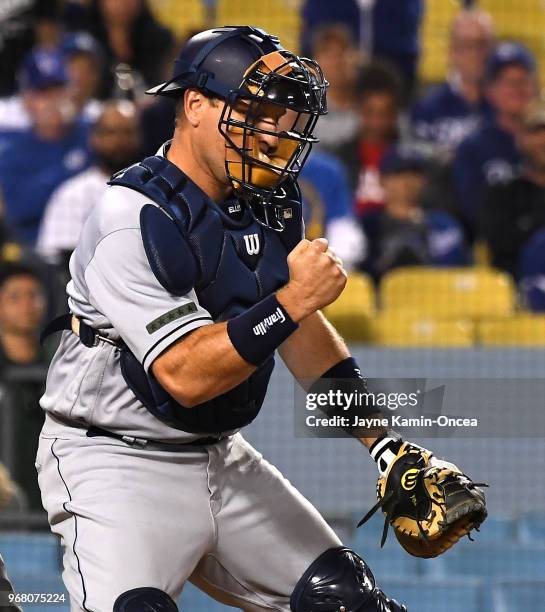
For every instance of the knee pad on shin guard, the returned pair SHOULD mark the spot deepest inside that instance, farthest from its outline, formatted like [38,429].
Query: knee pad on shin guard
[144,599]
[340,581]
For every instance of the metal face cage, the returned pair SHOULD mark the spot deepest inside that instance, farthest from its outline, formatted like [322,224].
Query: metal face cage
[268,125]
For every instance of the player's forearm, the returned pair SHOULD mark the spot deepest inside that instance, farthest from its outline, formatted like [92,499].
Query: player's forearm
[201,366]
[313,349]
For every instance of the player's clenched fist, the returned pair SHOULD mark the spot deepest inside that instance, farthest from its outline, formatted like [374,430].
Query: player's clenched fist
[317,278]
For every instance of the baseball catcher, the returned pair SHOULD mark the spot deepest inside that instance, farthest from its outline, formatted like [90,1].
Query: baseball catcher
[188,278]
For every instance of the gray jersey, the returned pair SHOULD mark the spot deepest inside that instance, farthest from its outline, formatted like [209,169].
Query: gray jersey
[113,289]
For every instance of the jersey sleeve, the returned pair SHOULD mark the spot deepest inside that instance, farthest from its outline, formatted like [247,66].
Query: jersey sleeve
[123,288]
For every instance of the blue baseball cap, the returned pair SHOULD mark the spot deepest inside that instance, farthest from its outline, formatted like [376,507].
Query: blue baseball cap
[509,54]
[80,42]
[41,69]
[403,158]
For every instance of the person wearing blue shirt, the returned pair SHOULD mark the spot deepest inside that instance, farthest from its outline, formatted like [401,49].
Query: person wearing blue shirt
[490,156]
[35,161]
[452,110]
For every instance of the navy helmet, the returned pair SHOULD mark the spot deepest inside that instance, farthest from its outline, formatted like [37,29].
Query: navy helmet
[256,77]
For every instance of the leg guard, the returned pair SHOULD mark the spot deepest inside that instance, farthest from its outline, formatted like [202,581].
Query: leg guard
[340,581]
[144,599]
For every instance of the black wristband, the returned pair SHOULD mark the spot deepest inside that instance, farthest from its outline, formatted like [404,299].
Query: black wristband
[347,368]
[345,377]
[259,331]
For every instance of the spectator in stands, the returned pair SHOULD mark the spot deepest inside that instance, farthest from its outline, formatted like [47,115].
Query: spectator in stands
[328,209]
[24,24]
[135,44]
[319,13]
[83,57]
[490,156]
[378,105]
[115,143]
[334,49]
[403,233]
[23,366]
[513,211]
[34,162]
[83,66]
[454,109]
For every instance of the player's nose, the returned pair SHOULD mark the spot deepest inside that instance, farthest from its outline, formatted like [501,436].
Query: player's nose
[268,143]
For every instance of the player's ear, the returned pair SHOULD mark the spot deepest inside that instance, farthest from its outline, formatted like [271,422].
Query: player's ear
[194,105]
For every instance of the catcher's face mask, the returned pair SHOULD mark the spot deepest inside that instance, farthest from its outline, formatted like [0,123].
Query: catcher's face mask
[268,125]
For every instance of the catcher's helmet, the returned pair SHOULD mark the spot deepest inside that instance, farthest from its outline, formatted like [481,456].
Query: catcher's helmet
[256,78]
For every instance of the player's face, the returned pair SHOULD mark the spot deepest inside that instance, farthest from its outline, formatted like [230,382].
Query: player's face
[269,118]
[22,305]
[266,117]
[513,90]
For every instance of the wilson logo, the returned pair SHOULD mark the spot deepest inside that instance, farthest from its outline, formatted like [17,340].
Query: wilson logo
[409,479]
[252,244]
[263,327]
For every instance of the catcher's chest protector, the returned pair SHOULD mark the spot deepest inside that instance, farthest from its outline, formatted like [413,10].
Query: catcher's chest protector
[230,261]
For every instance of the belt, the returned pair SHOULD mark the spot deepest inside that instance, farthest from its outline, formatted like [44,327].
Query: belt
[88,335]
[95,432]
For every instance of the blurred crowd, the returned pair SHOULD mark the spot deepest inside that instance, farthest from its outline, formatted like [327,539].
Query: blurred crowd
[406,173]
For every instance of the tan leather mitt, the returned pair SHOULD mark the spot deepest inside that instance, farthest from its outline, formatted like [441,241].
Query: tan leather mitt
[430,507]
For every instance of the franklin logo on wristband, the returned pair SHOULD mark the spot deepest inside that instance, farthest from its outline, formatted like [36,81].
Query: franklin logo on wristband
[263,327]
[255,333]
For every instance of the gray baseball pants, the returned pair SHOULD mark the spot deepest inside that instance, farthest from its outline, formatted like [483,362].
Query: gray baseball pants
[220,516]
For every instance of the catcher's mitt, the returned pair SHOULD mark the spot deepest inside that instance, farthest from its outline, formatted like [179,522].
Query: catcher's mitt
[429,506]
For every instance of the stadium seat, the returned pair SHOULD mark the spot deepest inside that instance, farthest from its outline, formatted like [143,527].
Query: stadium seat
[30,553]
[352,310]
[521,330]
[519,596]
[406,330]
[181,17]
[452,595]
[523,20]
[532,529]
[512,561]
[448,293]
[280,18]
